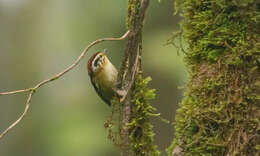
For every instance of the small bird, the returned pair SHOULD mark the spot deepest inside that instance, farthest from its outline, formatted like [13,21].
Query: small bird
[103,76]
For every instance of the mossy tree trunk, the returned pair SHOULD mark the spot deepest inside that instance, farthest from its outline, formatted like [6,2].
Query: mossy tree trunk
[220,113]
[135,134]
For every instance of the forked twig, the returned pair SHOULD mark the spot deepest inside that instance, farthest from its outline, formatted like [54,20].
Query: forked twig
[57,76]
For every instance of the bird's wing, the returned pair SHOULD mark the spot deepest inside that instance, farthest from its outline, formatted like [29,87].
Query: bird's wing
[99,92]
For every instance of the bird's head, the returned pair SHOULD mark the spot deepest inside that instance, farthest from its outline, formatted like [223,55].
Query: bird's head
[97,62]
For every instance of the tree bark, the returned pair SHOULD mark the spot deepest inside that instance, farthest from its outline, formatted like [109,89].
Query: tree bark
[220,113]
[131,64]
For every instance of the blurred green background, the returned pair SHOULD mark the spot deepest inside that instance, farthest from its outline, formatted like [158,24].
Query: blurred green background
[41,38]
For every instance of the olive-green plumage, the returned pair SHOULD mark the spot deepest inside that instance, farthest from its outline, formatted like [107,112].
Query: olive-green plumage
[103,76]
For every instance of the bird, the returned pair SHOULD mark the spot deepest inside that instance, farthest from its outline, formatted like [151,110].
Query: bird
[103,76]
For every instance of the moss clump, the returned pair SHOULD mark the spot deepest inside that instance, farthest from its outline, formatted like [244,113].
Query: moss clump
[140,128]
[220,114]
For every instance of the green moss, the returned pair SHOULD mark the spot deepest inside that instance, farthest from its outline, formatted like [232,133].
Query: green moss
[220,112]
[133,9]
[141,130]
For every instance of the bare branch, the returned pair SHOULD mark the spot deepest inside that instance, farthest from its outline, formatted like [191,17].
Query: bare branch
[57,76]
[70,67]
[134,72]
[15,92]
[27,106]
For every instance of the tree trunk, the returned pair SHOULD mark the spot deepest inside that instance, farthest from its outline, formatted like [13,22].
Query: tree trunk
[220,113]
[135,131]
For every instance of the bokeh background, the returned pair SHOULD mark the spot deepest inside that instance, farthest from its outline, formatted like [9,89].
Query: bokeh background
[39,38]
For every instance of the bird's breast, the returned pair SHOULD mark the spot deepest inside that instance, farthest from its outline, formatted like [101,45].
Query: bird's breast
[107,75]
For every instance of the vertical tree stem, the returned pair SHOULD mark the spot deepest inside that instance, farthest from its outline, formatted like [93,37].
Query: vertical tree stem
[135,18]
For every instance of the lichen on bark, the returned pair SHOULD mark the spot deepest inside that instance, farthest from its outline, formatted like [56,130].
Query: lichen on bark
[220,112]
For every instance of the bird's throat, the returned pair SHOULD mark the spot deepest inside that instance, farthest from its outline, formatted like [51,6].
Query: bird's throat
[107,75]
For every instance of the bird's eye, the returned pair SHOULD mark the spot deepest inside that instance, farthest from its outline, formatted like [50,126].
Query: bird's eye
[96,62]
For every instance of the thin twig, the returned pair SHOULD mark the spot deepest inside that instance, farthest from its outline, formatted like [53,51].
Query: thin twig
[15,92]
[27,106]
[134,72]
[70,67]
[57,76]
